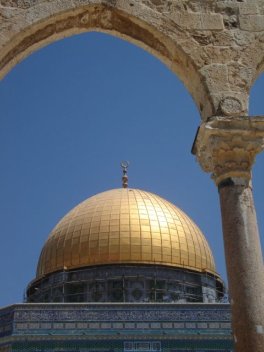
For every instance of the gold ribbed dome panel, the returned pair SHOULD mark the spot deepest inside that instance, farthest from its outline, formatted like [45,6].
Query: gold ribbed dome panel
[125,226]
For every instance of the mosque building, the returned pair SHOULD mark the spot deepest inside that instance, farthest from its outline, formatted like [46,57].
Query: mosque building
[125,270]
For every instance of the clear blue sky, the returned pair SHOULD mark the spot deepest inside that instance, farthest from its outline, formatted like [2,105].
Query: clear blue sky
[70,113]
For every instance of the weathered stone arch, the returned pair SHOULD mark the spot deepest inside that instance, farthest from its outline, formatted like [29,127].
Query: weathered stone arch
[31,27]
[199,40]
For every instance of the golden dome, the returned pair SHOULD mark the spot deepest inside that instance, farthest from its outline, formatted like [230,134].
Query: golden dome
[125,226]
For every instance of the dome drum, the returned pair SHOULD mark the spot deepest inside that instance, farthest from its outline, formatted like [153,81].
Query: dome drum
[127,283]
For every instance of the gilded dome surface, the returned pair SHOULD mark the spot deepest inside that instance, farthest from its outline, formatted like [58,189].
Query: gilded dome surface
[125,226]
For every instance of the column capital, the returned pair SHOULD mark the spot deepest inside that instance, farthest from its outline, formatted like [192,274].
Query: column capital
[227,146]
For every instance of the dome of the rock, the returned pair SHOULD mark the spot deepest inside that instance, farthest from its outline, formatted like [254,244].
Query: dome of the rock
[125,226]
[123,235]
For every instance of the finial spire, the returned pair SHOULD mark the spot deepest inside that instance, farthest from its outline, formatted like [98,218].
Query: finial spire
[124,165]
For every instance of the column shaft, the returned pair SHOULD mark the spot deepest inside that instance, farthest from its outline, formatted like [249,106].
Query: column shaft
[244,264]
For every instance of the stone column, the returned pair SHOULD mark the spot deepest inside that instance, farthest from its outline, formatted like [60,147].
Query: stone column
[227,147]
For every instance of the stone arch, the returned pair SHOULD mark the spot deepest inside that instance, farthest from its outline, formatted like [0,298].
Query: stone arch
[34,24]
[214,47]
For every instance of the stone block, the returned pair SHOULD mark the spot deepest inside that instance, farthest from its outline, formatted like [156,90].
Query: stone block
[216,76]
[239,76]
[248,8]
[212,22]
[186,20]
[254,23]
[226,4]
[199,21]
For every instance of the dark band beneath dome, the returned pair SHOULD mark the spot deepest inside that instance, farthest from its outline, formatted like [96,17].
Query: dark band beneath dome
[127,283]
